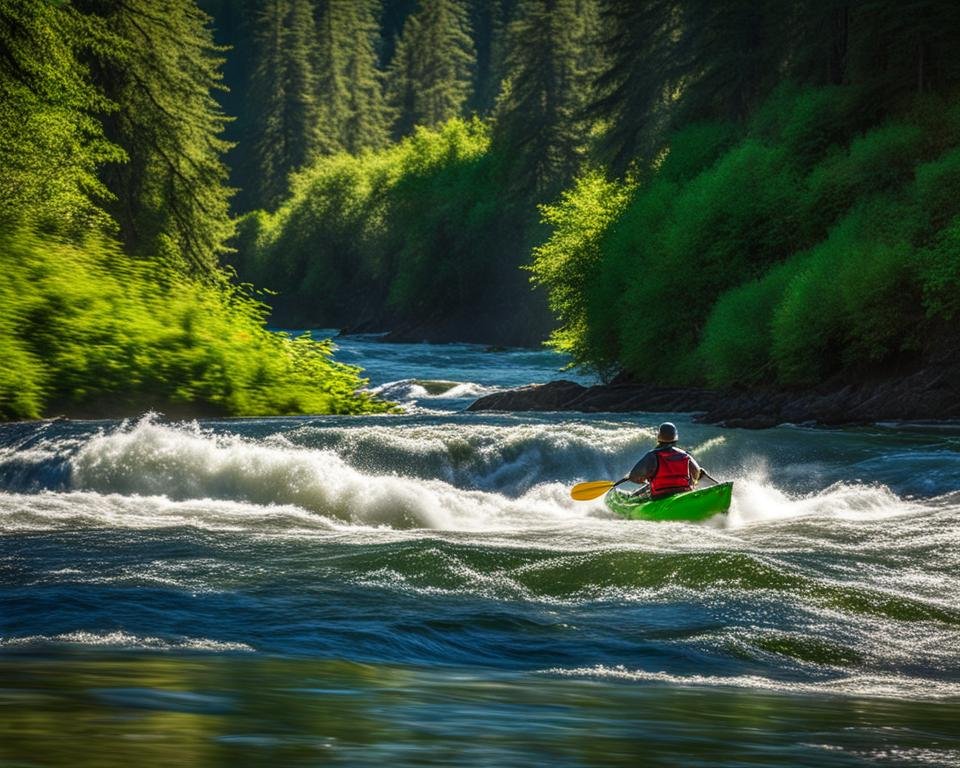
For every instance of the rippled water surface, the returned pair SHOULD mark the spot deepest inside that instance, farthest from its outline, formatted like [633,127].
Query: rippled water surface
[419,589]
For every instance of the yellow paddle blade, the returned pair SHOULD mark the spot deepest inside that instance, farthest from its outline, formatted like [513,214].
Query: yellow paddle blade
[587,491]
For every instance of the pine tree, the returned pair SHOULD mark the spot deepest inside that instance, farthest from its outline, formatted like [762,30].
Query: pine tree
[51,140]
[540,109]
[171,197]
[730,55]
[283,117]
[672,62]
[430,78]
[353,112]
[898,50]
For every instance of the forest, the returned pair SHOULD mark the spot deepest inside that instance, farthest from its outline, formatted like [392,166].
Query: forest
[756,193]
[724,193]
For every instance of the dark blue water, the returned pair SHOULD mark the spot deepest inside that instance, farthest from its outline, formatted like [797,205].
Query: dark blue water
[419,589]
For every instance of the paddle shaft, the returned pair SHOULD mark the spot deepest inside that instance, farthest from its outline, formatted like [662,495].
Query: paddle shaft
[592,490]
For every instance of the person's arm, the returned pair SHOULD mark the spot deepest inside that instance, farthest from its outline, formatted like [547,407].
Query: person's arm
[644,469]
[695,472]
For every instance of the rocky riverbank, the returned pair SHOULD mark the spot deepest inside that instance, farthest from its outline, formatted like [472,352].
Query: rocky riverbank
[929,394]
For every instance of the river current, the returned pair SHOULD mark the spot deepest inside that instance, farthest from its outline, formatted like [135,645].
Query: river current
[419,588]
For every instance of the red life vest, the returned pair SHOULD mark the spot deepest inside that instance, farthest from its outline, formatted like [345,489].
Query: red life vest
[673,473]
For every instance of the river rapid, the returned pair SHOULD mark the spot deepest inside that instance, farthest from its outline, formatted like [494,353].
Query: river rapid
[419,589]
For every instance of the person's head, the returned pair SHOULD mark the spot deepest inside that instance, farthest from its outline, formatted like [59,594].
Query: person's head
[667,433]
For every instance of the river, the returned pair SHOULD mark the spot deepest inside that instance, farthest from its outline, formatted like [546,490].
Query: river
[419,589]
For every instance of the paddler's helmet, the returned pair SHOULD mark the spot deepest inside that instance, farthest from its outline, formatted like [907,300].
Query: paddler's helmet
[667,433]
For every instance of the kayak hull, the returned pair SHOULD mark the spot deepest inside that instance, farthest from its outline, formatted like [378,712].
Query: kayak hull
[691,506]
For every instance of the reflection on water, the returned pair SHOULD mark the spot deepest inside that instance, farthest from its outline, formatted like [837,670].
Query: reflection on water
[130,710]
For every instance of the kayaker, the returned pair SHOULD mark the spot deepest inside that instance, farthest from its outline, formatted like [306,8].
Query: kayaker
[666,468]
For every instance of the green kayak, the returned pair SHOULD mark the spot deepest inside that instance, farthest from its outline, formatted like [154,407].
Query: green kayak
[690,506]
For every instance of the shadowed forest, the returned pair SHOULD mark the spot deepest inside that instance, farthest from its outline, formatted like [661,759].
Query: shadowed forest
[690,192]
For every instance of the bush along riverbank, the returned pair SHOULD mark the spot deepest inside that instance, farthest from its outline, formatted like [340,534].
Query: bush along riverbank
[87,332]
[808,253]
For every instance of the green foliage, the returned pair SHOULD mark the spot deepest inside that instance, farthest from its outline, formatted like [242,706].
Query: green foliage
[439,214]
[726,224]
[569,260]
[882,160]
[938,269]
[539,114]
[803,251]
[86,328]
[736,341]
[283,128]
[83,326]
[409,229]
[936,188]
[353,110]
[695,148]
[854,303]
[809,122]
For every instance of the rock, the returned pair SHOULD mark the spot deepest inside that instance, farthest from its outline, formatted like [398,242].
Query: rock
[569,396]
[932,393]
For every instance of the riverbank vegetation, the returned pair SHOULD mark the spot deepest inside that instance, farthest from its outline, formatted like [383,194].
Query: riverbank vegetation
[689,192]
[792,221]
[113,219]
[705,193]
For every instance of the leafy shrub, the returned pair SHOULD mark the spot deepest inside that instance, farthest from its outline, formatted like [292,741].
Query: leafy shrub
[413,225]
[938,272]
[936,189]
[569,265]
[882,160]
[695,148]
[737,339]
[87,327]
[808,122]
[727,225]
[853,303]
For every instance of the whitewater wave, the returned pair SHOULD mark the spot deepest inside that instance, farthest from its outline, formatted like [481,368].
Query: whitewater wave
[413,390]
[880,686]
[184,463]
[123,641]
[81,510]
[507,459]
[441,476]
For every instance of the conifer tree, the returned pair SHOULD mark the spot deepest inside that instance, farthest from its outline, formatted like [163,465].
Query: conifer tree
[52,140]
[430,78]
[283,128]
[539,111]
[898,50]
[352,109]
[730,56]
[171,197]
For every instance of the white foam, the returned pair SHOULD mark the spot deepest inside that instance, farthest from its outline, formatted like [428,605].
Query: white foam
[157,461]
[442,476]
[411,390]
[757,500]
[125,641]
[884,686]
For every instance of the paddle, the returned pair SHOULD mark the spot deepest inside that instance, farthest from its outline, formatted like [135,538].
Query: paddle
[709,477]
[587,491]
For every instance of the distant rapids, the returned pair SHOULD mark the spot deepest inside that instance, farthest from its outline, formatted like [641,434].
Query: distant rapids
[436,553]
